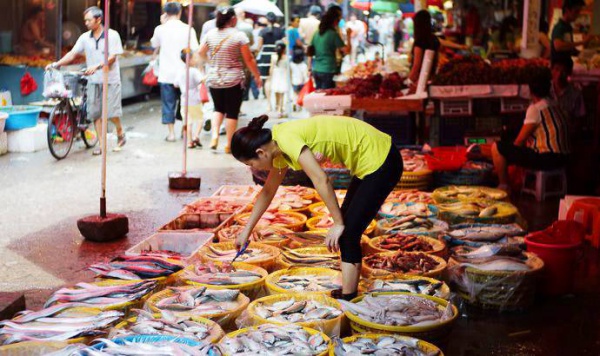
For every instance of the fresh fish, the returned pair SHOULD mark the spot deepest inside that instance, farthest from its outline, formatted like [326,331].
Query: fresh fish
[102,296]
[384,345]
[136,267]
[199,301]
[500,264]
[481,232]
[404,242]
[269,339]
[162,348]
[416,286]
[296,311]
[250,255]
[222,274]
[308,283]
[311,259]
[399,310]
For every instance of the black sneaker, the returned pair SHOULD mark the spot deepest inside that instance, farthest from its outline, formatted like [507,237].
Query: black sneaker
[207,125]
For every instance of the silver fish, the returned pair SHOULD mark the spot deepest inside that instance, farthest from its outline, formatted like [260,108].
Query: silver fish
[385,345]
[309,283]
[296,311]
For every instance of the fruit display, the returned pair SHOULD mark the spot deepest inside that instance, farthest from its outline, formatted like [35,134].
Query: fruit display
[374,86]
[473,70]
[364,70]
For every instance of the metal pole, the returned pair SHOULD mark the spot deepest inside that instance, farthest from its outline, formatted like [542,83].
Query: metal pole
[104,106]
[58,46]
[286,9]
[187,86]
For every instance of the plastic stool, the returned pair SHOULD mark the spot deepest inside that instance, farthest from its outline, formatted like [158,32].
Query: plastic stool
[540,187]
[590,208]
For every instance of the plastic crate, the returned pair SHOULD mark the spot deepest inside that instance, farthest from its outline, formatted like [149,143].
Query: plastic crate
[21,116]
[513,105]
[456,107]
[401,128]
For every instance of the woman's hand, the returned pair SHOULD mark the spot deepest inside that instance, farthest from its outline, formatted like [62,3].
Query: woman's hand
[332,241]
[258,81]
[241,239]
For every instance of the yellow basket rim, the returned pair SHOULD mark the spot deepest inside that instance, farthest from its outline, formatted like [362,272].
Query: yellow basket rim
[441,265]
[422,344]
[238,265]
[231,244]
[271,284]
[298,297]
[438,246]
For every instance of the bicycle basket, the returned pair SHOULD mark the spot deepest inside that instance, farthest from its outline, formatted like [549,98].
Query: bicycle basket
[72,83]
[54,85]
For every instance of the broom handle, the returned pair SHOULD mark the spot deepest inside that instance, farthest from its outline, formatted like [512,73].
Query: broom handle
[104,107]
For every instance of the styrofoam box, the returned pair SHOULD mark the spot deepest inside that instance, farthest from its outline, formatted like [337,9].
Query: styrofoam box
[28,140]
[187,243]
[3,143]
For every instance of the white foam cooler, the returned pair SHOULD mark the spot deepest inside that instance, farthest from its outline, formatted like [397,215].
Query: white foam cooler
[3,143]
[319,103]
[28,140]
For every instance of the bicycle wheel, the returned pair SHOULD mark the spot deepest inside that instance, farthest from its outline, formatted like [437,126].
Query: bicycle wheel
[89,135]
[61,130]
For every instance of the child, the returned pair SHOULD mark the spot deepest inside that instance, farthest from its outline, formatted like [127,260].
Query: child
[279,75]
[195,114]
[299,71]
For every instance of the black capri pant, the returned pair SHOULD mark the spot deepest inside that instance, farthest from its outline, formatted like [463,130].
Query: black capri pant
[228,101]
[363,200]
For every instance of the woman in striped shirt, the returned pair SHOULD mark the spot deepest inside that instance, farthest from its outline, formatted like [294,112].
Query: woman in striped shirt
[542,143]
[227,51]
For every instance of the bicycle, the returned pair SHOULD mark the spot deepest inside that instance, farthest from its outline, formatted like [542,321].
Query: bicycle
[69,119]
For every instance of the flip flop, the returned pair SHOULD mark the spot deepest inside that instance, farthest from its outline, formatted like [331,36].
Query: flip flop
[170,139]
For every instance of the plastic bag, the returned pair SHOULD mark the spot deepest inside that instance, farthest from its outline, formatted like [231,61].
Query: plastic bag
[203,93]
[28,84]
[150,79]
[54,85]
[306,89]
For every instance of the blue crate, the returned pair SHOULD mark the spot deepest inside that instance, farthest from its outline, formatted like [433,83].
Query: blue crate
[21,116]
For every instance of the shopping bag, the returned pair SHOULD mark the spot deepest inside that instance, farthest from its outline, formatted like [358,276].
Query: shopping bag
[28,84]
[54,85]
[203,93]
[306,89]
[150,79]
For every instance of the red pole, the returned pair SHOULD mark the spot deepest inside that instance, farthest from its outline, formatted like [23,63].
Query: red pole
[104,107]
[187,86]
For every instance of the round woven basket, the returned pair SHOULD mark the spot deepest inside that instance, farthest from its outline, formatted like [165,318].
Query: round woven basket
[267,263]
[423,346]
[284,263]
[242,219]
[311,225]
[273,278]
[489,194]
[363,285]
[415,180]
[369,272]
[439,247]
[507,214]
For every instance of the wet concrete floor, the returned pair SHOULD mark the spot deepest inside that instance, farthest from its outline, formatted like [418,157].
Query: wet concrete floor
[42,250]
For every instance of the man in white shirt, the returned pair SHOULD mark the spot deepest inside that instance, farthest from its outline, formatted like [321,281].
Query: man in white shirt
[92,44]
[310,24]
[171,38]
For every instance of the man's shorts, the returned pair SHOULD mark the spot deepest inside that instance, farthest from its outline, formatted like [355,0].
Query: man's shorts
[94,101]
[527,158]
[195,113]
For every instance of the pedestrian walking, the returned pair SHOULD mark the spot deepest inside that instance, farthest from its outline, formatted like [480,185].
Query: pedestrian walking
[171,38]
[91,43]
[309,25]
[193,103]
[227,51]
[299,72]
[267,38]
[279,76]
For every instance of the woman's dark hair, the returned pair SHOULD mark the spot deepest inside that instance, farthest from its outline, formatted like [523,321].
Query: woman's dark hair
[247,140]
[183,54]
[224,16]
[172,8]
[330,19]
[423,31]
[572,4]
[543,26]
[294,18]
[280,50]
[508,25]
[271,17]
[35,10]
[540,83]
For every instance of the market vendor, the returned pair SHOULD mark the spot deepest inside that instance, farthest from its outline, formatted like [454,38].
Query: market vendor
[542,143]
[33,41]
[374,163]
[563,47]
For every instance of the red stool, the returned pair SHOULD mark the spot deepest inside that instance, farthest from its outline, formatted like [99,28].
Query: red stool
[590,208]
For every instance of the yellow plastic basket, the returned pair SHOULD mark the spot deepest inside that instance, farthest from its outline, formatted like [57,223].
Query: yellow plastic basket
[430,332]
[439,247]
[267,263]
[236,229]
[273,288]
[32,348]
[483,193]
[283,263]
[415,180]
[426,347]
[507,214]
[369,272]
[364,283]
[308,330]
[340,194]
[215,334]
[241,219]
[251,290]
[311,225]
[226,318]
[331,327]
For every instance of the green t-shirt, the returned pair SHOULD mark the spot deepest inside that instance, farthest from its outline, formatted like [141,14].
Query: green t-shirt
[561,31]
[358,145]
[325,46]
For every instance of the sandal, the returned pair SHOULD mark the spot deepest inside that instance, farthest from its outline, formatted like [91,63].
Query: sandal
[197,142]
[97,152]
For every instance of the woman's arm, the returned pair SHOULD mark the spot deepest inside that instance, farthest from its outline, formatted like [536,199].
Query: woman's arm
[545,42]
[203,51]
[262,203]
[251,64]
[525,133]
[416,67]
[313,170]
[348,47]
[453,45]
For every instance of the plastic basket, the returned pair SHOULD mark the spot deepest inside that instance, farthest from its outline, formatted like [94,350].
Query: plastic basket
[438,228]
[430,207]
[215,333]
[464,176]
[456,107]
[299,226]
[226,319]
[20,116]
[151,339]
[311,225]
[284,263]
[267,263]
[251,290]
[423,346]
[331,327]
[446,158]
[32,348]
[369,272]
[415,180]
[224,233]
[439,247]
[273,278]
[511,105]
[499,290]
[308,330]
[440,197]
[431,333]
[339,177]
[507,214]
[363,285]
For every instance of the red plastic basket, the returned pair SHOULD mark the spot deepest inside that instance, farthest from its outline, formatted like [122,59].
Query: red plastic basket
[447,158]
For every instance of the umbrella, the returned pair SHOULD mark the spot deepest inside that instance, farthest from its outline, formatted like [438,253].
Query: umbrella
[362,5]
[259,7]
[384,6]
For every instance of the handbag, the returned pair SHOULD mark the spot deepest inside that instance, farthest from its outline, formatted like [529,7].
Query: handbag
[203,93]
[150,79]
[308,88]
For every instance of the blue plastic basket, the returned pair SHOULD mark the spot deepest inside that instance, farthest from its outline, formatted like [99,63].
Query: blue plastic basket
[148,339]
[21,116]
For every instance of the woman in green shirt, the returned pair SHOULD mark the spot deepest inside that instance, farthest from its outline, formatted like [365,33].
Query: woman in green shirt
[375,164]
[322,52]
